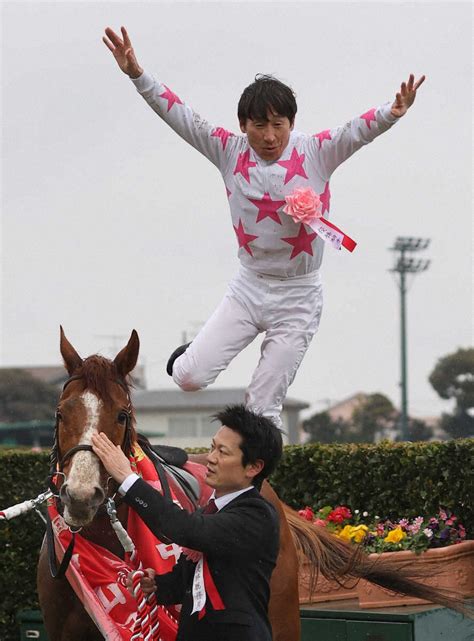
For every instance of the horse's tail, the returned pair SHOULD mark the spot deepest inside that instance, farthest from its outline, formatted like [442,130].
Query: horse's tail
[347,563]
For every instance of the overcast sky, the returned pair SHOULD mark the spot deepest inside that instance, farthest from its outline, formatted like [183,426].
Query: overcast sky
[111,222]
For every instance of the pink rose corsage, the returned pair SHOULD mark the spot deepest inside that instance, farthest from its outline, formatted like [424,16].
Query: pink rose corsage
[303,205]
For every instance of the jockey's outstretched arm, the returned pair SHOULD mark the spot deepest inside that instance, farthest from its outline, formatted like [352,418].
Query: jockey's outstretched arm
[332,147]
[213,142]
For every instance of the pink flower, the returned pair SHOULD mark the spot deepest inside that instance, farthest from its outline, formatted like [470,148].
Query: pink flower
[306,514]
[320,522]
[415,527]
[303,205]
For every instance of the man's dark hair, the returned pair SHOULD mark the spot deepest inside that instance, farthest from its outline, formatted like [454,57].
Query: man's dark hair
[261,438]
[266,94]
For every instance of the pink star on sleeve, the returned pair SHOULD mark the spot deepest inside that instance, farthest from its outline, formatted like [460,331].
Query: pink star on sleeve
[323,135]
[243,238]
[294,166]
[369,117]
[171,97]
[244,164]
[223,134]
[301,242]
[325,198]
[268,208]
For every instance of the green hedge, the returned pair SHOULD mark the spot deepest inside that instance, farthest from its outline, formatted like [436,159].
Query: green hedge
[389,479]
[23,477]
[393,480]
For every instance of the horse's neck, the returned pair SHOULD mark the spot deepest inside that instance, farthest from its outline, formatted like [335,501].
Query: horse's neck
[100,531]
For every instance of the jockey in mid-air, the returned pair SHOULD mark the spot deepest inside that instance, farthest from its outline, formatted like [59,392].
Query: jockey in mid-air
[277,183]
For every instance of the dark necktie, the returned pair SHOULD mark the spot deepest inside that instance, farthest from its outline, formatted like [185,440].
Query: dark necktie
[211,507]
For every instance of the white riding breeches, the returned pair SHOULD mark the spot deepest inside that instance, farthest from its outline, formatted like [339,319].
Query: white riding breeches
[288,310]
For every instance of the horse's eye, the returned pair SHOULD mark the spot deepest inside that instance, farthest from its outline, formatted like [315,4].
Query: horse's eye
[122,418]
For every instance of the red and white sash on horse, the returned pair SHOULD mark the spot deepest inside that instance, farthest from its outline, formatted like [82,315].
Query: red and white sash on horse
[98,576]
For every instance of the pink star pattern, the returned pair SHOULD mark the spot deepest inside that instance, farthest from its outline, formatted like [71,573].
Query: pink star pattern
[323,135]
[301,243]
[267,208]
[325,198]
[244,164]
[243,238]
[223,134]
[171,97]
[369,117]
[294,166]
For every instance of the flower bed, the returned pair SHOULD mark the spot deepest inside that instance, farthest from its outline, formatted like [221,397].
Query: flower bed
[385,535]
[432,540]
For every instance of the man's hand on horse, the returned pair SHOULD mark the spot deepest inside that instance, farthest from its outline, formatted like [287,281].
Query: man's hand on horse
[122,51]
[114,460]
[406,96]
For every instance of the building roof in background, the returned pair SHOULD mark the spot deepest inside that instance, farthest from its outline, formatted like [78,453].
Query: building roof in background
[203,400]
[343,409]
[56,374]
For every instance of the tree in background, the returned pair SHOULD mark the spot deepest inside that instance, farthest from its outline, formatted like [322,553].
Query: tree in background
[375,416]
[24,398]
[453,379]
[418,431]
[322,429]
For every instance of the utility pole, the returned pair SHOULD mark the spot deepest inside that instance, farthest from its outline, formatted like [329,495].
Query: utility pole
[406,265]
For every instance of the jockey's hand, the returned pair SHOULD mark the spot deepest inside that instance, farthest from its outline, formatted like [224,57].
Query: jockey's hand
[406,96]
[147,583]
[123,52]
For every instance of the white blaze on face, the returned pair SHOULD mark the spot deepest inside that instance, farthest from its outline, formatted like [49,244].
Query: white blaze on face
[84,474]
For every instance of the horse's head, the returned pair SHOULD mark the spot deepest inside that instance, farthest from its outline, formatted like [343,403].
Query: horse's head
[95,398]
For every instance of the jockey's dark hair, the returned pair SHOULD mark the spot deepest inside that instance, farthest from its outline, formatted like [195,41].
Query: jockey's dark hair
[261,438]
[266,94]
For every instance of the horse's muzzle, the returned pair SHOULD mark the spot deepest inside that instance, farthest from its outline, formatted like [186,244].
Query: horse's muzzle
[79,510]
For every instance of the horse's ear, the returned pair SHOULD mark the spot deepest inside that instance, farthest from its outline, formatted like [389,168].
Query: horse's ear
[72,360]
[126,359]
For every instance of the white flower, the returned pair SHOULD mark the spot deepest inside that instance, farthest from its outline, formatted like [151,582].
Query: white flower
[427,532]
[356,511]
[365,514]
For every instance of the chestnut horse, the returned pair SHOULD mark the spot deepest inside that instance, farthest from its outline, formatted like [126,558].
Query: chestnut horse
[96,398]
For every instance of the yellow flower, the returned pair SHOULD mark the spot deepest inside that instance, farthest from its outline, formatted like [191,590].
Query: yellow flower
[345,533]
[395,536]
[358,533]
[353,533]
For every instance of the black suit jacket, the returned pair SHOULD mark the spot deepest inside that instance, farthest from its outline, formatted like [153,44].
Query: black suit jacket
[241,546]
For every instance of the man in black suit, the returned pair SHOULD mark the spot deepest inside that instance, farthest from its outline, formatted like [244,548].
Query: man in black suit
[225,592]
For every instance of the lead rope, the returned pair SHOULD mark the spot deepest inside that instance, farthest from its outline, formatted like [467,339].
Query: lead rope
[147,624]
[26,506]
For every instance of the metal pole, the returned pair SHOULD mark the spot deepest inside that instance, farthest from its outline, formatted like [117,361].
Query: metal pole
[403,267]
[403,343]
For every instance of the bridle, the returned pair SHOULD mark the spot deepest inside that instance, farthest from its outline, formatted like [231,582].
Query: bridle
[57,462]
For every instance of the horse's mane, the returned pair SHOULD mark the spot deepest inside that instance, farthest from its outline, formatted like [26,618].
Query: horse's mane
[100,375]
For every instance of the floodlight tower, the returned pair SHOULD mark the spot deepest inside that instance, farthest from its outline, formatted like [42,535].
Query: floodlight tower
[406,265]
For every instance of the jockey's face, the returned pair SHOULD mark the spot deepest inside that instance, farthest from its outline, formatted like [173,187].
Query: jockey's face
[268,138]
[225,472]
